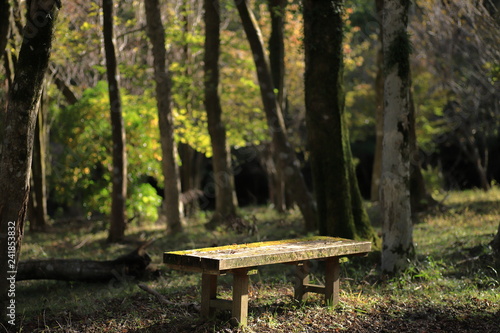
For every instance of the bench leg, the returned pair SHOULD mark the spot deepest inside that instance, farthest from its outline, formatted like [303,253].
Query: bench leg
[240,296]
[332,281]
[302,279]
[208,292]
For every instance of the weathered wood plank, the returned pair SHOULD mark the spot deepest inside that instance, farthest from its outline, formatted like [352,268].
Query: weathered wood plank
[208,293]
[302,280]
[240,297]
[332,283]
[229,257]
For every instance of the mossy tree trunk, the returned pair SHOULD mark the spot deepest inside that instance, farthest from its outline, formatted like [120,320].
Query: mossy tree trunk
[225,195]
[172,207]
[285,156]
[395,182]
[17,144]
[340,206]
[119,171]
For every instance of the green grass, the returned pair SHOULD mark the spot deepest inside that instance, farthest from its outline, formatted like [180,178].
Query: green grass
[452,285]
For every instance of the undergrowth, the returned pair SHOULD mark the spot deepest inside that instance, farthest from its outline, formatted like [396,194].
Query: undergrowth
[452,285]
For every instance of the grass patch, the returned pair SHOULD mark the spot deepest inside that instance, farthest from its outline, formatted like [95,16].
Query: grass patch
[452,286]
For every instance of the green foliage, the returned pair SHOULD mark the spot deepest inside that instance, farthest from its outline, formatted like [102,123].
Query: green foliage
[82,160]
[143,204]
[434,181]
[360,53]
[359,104]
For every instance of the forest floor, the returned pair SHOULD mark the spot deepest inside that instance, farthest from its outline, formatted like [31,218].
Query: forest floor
[452,286]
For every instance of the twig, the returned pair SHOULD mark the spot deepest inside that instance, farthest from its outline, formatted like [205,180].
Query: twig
[163,300]
[82,243]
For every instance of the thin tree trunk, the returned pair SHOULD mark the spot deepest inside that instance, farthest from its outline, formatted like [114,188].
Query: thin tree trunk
[190,171]
[277,49]
[340,206]
[156,34]
[17,143]
[225,195]
[395,182]
[38,212]
[379,111]
[277,62]
[65,90]
[480,165]
[420,200]
[119,173]
[275,183]
[285,157]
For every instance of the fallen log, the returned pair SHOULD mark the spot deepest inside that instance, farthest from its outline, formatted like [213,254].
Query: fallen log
[135,264]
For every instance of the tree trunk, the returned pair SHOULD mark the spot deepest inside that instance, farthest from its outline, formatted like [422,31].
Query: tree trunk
[395,181]
[190,172]
[20,122]
[134,264]
[277,62]
[285,157]
[225,195]
[119,173]
[479,162]
[64,89]
[275,183]
[340,207]
[420,200]
[38,207]
[156,34]
[277,49]
[379,111]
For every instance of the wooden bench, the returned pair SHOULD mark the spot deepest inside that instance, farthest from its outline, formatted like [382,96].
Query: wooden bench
[241,260]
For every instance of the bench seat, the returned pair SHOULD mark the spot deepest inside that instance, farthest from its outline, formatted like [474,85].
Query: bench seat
[242,259]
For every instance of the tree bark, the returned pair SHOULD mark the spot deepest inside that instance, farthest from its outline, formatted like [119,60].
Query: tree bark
[395,191]
[17,143]
[38,206]
[225,195]
[340,206]
[119,173]
[156,34]
[277,62]
[285,157]
[277,49]
[379,111]
[65,90]
[190,172]
[134,264]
